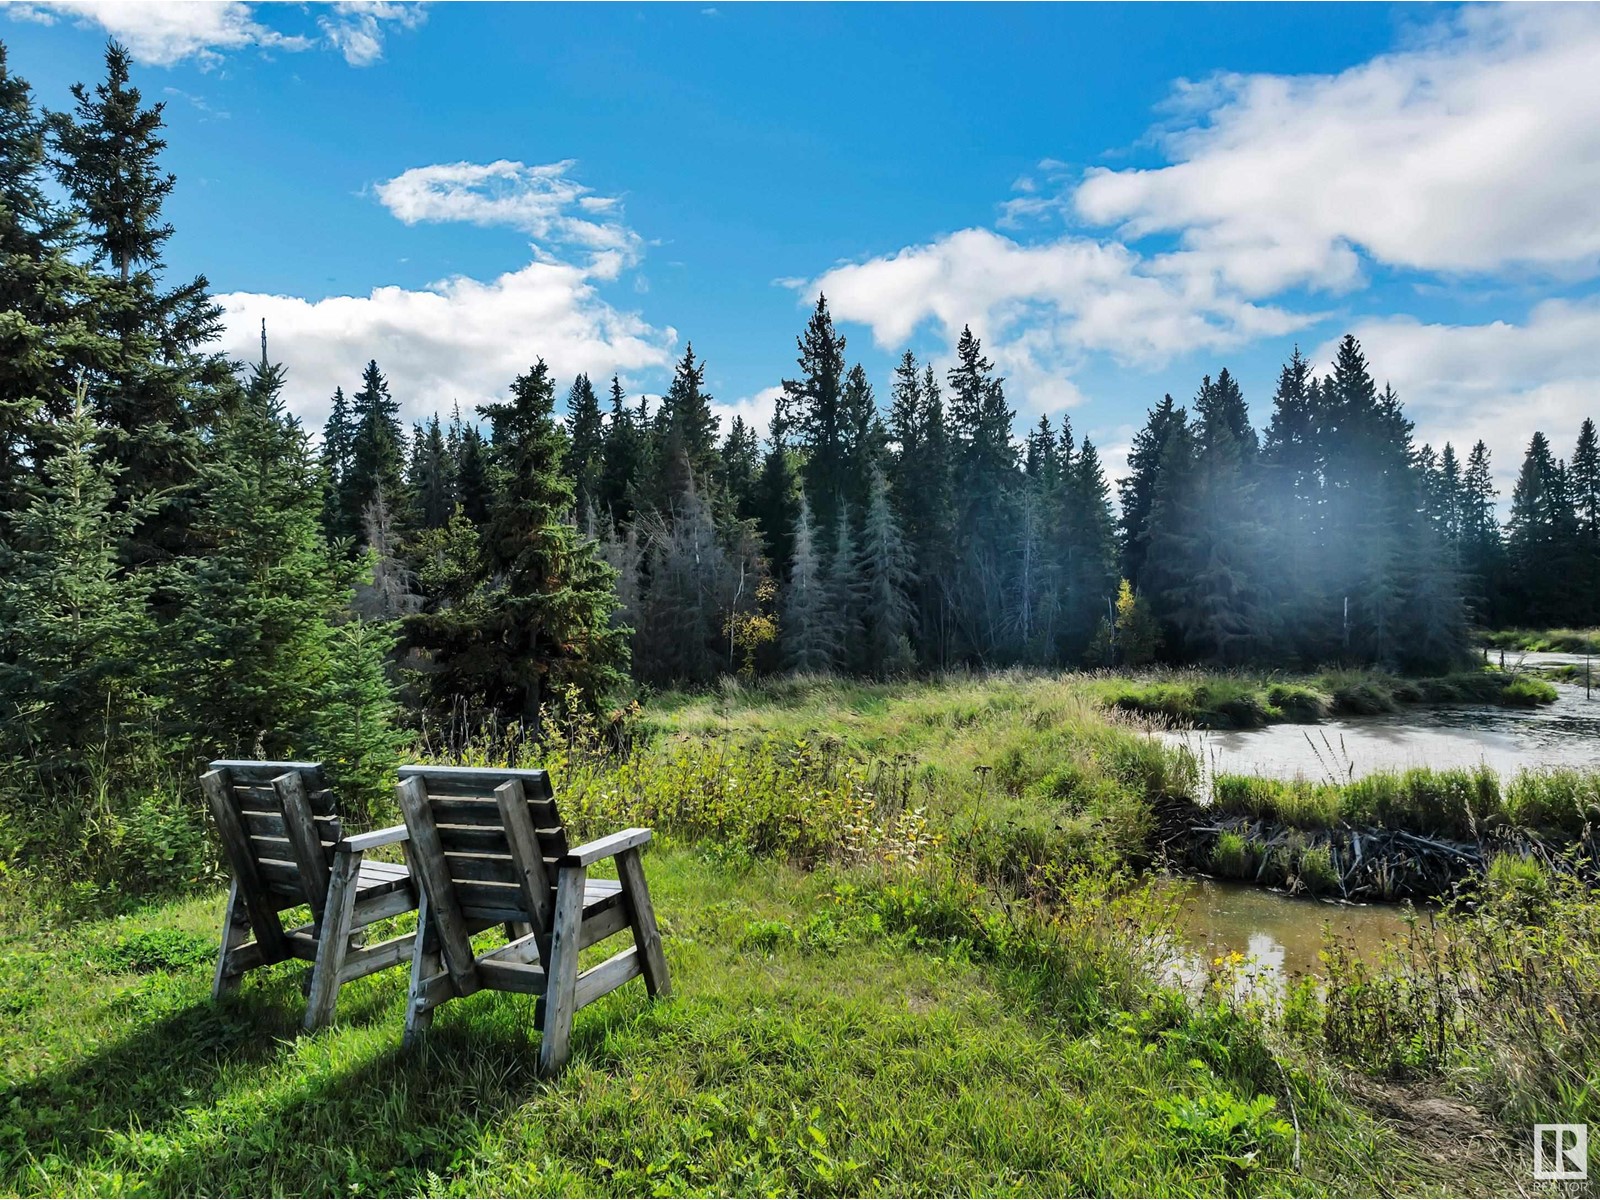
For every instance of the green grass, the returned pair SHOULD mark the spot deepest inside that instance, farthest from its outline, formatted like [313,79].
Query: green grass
[819,1042]
[1457,803]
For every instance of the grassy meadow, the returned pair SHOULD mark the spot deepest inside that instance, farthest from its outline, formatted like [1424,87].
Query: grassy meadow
[914,952]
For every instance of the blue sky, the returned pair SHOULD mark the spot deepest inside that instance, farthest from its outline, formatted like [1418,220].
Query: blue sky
[1118,198]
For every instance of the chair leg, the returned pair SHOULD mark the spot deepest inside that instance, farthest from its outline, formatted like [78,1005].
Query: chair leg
[561,993]
[642,916]
[234,927]
[334,943]
[426,962]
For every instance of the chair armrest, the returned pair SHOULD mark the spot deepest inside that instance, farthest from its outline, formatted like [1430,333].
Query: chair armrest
[372,839]
[606,847]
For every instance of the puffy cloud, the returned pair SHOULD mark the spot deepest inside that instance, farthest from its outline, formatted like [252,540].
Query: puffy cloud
[459,339]
[1498,381]
[1041,308]
[356,27]
[164,32]
[756,410]
[1474,149]
[542,200]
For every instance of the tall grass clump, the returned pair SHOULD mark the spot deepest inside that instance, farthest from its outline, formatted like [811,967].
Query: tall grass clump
[1499,996]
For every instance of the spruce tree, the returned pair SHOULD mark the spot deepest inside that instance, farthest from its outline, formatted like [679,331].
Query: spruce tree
[435,484]
[540,620]
[686,434]
[76,666]
[587,436]
[805,631]
[337,437]
[250,641]
[1136,490]
[39,283]
[621,460]
[156,383]
[740,469]
[376,453]
[888,578]
[844,591]
[815,404]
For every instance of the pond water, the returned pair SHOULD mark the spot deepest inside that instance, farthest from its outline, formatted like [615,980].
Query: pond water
[1284,935]
[1281,934]
[1563,734]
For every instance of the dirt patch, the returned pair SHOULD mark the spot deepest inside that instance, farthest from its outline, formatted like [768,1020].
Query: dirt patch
[1463,1143]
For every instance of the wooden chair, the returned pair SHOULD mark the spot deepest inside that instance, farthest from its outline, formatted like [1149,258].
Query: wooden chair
[284,840]
[488,848]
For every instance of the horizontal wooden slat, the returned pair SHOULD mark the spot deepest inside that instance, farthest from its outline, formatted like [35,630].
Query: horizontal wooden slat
[534,781]
[263,824]
[272,848]
[377,958]
[492,868]
[485,839]
[512,977]
[492,914]
[491,895]
[379,905]
[608,976]
[279,874]
[483,810]
[607,921]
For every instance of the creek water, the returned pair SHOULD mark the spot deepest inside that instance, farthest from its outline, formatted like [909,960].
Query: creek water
[1284,935]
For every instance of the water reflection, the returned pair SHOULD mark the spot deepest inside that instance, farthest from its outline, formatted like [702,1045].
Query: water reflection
[1282,935]
[1566,733]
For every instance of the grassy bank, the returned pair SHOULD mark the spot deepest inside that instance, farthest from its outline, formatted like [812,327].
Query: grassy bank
[1462,804]
[1562,641]
[1211,701]
[831,1033]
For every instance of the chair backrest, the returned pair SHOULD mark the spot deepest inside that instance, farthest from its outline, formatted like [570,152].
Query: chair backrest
[281,836]
[499,863]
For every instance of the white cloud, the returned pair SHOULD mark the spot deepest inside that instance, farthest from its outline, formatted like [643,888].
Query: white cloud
[356,27]
[165,32]
[457,340]
[1498,382]
[464,339]
[1039,309]
[756,410]
[1475,149]
[542,201]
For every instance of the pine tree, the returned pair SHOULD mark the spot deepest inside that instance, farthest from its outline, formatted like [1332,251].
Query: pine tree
[1585,473]
[1086,550]
[680,636]
[777,497]
[865,438]
[354,727]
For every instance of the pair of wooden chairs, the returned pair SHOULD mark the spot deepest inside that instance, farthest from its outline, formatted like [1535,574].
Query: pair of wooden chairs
[484,847]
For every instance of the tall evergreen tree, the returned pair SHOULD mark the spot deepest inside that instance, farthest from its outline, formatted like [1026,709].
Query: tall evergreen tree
[435,484]
[586,458]
[1136,490]
[154,379]
[815,403]
[376,451]
[888,576]
[686,434]
[621,459]
[807,634]
[539,620]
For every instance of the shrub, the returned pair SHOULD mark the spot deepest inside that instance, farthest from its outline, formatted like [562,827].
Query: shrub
[1230,858]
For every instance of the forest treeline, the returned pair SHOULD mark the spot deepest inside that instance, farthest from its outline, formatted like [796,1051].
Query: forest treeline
[187,570]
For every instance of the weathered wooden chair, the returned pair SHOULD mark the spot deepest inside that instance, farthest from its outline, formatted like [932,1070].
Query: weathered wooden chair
[283,837]
[488,848]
